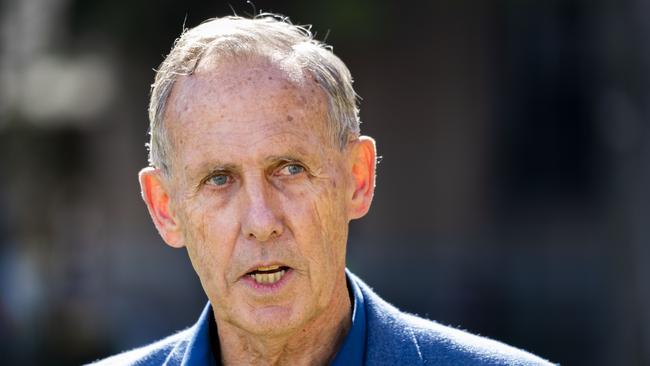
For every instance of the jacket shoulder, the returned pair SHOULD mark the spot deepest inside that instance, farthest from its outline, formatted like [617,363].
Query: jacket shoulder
[446,345]
[395,337]
[167,351]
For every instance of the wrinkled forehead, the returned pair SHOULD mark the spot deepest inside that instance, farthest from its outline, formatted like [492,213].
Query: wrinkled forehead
[223,81]
[223,73]
[229,98]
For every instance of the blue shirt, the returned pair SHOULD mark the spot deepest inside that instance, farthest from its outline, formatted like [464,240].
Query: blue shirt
[203,347]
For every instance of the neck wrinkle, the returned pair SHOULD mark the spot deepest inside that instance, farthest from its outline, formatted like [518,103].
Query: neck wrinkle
[316,344]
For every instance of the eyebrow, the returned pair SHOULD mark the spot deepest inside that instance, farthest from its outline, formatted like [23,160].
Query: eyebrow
[221,168]
[284,157]
[292,154]
[216,167]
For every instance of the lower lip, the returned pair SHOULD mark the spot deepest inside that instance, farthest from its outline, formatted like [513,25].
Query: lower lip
[268,288]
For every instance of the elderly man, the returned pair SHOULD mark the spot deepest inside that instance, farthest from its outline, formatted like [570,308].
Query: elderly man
[257,168]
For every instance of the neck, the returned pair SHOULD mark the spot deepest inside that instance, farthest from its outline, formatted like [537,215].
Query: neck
[314,344]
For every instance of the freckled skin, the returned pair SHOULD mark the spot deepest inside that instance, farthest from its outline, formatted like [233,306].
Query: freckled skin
[241,119]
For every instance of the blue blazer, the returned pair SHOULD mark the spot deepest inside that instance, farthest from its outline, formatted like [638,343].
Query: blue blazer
[392,338]
[397,338]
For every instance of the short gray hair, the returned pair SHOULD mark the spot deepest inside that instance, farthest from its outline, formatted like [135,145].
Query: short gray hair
[264,34]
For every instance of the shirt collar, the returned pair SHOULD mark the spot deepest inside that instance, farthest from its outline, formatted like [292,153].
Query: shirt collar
[353,350]
[200,352]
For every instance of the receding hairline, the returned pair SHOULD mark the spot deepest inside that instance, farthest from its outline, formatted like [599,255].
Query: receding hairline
[287,64]
[217,67]
[283,71]
[267,34]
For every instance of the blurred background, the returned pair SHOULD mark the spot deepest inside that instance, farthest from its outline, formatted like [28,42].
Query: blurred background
[512,198]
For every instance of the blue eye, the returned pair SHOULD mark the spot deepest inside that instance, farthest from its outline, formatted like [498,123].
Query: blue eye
[218,180]
[295,169]
[290,169]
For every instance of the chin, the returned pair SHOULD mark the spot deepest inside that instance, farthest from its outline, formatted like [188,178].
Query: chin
[274,321]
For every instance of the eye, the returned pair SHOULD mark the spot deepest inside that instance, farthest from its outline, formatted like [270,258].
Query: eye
[291,169]
[219,179]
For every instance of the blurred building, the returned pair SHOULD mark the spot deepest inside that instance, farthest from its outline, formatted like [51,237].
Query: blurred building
[511,196]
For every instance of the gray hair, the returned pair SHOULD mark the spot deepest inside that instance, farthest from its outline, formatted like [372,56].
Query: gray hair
[265,34]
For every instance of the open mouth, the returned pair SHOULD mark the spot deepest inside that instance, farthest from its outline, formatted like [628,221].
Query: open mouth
[268,275]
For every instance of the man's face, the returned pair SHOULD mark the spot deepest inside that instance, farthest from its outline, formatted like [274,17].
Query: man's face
[260,193]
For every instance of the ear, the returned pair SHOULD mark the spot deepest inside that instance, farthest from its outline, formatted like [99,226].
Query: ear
[364,160]
[156,196]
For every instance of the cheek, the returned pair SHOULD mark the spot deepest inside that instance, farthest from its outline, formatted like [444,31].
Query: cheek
[207,238]
[316,216]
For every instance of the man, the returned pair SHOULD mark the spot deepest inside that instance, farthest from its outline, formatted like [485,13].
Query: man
[257,168]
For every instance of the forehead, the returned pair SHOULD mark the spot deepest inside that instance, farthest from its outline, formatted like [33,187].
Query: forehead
[236,110]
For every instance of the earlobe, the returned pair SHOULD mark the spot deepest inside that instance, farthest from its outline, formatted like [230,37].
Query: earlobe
[156,197]
[364,161]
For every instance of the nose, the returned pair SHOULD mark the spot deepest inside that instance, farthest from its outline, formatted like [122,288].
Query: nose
[261,219]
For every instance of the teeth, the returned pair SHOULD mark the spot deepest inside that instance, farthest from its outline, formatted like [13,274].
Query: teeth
[270,268]
[269,278]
